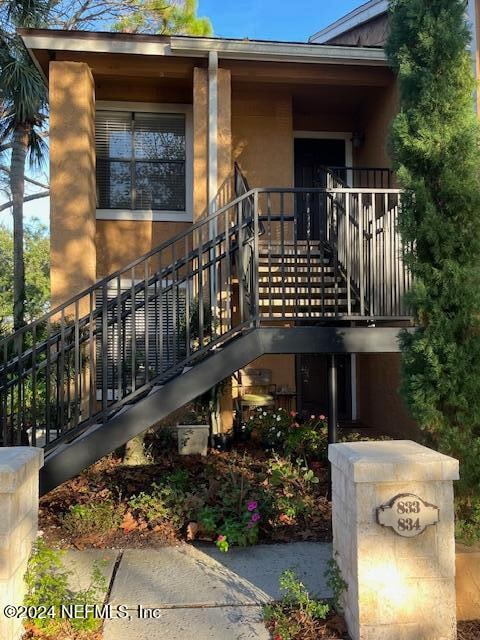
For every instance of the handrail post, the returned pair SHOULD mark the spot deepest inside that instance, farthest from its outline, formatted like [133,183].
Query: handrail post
[256,293]
[348,256]
[361,241]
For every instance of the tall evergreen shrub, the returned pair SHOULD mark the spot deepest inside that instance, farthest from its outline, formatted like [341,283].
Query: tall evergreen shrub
[435,146]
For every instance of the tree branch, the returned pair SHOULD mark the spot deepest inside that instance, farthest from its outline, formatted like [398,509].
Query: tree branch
[34,196]
[30,180]
[4,147]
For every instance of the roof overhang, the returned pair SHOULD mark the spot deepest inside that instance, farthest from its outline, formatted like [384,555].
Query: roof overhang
[37,40]
[355,18]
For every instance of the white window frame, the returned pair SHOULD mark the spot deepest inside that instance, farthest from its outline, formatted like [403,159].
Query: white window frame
[152,214]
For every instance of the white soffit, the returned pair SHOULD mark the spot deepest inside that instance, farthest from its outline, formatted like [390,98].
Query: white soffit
[200,48]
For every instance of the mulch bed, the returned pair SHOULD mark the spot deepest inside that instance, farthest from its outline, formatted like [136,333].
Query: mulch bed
[110,480]
[469,630]
[333,628]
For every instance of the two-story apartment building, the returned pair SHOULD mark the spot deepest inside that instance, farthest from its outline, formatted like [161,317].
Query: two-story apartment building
[205,188]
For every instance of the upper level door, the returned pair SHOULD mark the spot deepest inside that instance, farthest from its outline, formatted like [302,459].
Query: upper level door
[312,155]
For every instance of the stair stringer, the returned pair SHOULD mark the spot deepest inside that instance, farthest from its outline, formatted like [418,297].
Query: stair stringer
[70,458]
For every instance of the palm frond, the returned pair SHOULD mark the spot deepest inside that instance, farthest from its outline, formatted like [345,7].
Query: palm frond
[27,13]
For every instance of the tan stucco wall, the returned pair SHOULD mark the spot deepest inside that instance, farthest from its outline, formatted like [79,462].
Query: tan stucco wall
[119,242]
[262,130]
[468,582]
[379,403]
[72,171]
[375,121]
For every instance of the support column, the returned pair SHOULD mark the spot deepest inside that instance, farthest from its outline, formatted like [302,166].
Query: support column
[332,400]
[19,467]
[393,536]
[72,179]
[224,133]
[200,144]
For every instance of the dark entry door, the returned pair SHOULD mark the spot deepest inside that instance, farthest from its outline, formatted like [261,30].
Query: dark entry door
[312,384]
[311,158]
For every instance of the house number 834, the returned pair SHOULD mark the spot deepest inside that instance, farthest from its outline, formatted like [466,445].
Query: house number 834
[407,514]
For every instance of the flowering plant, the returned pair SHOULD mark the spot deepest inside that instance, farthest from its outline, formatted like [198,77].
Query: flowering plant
[271,427]
[241,529]
[308,438]
[291,433]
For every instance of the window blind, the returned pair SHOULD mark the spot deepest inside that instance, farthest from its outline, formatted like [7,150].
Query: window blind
[141,160]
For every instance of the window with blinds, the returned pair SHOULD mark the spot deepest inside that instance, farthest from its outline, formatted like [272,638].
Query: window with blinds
[141,160]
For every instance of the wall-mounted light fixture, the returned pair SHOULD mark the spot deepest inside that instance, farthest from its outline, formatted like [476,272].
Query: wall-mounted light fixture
[358,139]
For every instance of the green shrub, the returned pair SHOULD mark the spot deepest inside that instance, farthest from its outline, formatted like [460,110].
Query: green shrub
[296,611]
[435,145]
[95,518]
[467,523]
[233,512]
[336,583]
[170,499]
[47,583]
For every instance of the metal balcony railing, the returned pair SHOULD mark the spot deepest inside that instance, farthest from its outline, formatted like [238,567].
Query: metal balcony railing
[297,254]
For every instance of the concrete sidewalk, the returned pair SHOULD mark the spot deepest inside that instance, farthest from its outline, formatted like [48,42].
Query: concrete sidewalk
[197,593]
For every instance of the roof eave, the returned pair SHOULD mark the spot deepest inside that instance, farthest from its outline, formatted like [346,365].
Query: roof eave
[355,18]
[199,48]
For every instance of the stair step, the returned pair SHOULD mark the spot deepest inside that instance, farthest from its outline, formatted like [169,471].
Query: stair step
[293,260]
[315,291]
[303,302]
[293,269]
[294,280]
[306,314]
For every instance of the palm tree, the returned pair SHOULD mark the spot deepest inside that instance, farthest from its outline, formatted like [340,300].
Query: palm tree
[23,98]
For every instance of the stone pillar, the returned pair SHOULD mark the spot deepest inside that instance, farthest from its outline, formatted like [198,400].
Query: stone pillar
[393,535]
[19,467]
[72,180]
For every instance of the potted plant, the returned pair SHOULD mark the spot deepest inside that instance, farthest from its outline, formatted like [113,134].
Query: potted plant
[194,431]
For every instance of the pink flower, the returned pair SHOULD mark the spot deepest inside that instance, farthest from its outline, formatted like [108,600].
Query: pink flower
[322,417]
[293,413]
[255,517]
[221,538]
[250,525]
[294,425]
[251,506]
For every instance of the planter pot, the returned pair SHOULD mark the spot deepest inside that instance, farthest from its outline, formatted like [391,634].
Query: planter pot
[193,439]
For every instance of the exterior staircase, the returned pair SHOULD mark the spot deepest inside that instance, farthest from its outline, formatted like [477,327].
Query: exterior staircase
[121,355]
[302,282]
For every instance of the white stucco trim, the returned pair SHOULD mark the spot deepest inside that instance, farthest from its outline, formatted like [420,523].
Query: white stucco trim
[146,214]
[355,18]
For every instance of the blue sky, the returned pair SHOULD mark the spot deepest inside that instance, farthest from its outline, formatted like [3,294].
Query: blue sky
[273,19]
[261,19]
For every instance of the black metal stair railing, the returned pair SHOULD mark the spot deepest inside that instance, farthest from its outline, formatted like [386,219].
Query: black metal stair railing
[247,263]
[348,267]
[137,327]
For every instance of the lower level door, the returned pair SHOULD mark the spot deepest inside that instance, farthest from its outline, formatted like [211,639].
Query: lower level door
[312,384]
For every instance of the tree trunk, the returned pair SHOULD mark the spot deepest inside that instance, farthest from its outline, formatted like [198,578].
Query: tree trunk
[17,187]
[135,451]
